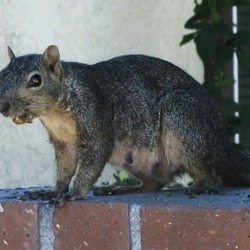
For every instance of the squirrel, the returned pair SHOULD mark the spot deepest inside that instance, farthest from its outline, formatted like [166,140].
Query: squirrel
[141,113]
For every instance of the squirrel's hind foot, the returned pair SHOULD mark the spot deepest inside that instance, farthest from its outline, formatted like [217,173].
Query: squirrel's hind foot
[200,189]
[62,198]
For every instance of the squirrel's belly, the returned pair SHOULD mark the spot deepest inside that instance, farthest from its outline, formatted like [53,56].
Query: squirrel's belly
[161,162]
[133,160]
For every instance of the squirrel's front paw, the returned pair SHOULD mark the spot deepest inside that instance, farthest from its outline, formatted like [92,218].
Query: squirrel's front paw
[61,199]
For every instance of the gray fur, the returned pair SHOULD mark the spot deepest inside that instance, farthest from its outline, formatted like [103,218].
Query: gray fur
[147,108]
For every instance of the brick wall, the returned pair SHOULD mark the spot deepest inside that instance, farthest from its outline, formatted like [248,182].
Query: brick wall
[165,220]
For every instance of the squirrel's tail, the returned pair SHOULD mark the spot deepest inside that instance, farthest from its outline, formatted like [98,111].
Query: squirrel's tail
[236,173]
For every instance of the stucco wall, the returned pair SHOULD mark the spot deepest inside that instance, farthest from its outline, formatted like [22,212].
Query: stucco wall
[85,31]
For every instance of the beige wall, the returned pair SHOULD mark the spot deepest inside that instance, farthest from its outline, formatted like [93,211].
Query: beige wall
[86,31]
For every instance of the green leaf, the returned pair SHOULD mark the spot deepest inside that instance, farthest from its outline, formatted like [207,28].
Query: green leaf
[203,8]
[187,38]
[194,22]
[123,176]
[206,42]
[223,28]
[200,10]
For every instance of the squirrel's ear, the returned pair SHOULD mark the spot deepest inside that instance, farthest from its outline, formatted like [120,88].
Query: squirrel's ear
[11,54]
[51,59]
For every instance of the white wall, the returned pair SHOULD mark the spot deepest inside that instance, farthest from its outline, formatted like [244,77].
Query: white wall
[86,31]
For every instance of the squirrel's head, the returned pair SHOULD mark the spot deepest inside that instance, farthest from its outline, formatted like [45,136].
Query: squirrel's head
[30,84]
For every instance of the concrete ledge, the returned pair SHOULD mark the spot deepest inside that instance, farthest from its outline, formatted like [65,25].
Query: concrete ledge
[163,220]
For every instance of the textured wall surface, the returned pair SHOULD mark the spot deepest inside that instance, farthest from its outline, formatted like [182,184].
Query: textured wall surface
[134,221]
[85,31]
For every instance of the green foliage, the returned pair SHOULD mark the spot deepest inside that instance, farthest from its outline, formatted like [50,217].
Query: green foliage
[215,43]
[123,179]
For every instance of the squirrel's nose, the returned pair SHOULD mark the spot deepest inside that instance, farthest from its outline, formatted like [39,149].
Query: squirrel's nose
[5,108]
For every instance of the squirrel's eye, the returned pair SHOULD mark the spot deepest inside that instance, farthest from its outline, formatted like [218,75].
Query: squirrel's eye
[35,81]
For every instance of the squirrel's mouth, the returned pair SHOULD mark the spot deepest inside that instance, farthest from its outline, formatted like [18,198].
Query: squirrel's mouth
[22,119]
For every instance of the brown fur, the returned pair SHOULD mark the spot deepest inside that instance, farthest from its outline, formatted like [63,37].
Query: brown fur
[60,124]
[166,157]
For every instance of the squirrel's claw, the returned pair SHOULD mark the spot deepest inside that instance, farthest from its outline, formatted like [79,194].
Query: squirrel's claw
[61,199]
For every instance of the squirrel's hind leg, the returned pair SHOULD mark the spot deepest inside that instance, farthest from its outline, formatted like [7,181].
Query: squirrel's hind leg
[204,182]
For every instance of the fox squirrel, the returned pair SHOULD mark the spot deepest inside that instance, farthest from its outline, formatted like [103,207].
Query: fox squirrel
[138,112]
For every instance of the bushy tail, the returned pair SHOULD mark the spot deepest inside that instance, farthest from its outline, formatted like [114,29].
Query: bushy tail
[236,173]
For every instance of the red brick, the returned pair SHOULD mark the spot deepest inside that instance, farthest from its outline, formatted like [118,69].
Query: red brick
[80,225]
[18,225]
[195,229]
